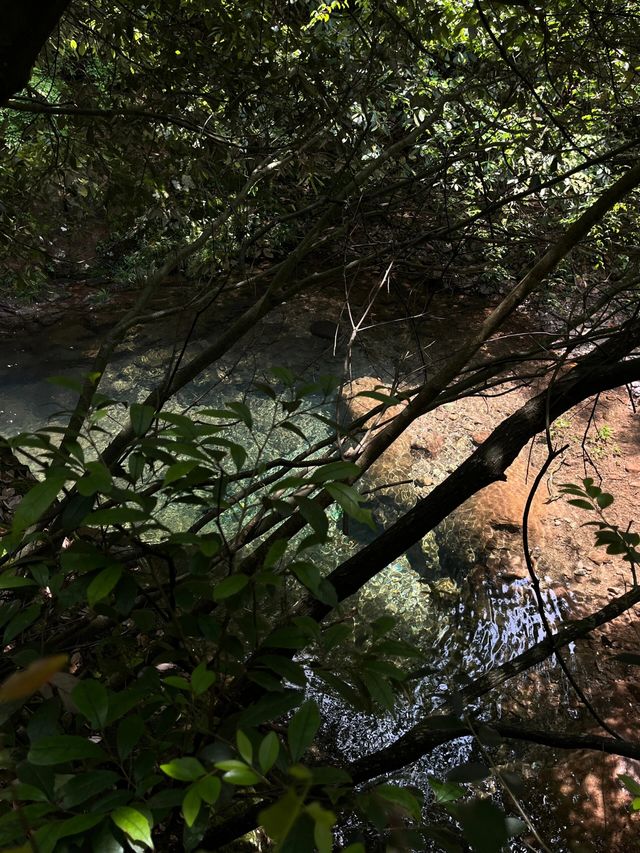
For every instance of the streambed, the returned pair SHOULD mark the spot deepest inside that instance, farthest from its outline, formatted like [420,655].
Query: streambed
[462,629]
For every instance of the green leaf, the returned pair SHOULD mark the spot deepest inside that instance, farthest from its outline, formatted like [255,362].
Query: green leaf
[244,746]
[314,515]
[103,840]
[302,728]
[9,581]
[209,788]
[202,679]
[237,772]
[141,418]
[383,667]
[284,667]
[83,557]
[178,470]
[124,701]
[82,787]
[116,515]
[39,498]
[401,797]
[129,732]
[21,622]
[229,586]
[335,635]
[266,680]
[266,389]
[382,625]
[209,544]
[185,769]
[287,638]
[134,824]
[470,771]
[483,826]
[270,707]
[135,465]
[379,689]
[349,499]
[344,690]
[323,821]
[58,749]
[268,751]
[47,837]
[275,553]
[291,427]
[243,411]
[96,479]
[335,471]
[191,806]
[27,793]
[630,784]
[399,648]
[279,818]
[92,700]
[103,583]
[177,681]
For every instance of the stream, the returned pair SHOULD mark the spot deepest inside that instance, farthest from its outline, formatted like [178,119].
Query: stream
[461,630]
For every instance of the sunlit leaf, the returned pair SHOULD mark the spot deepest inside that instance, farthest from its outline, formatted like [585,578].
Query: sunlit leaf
[185,769]
[191,806]
[20,685]
[134,824]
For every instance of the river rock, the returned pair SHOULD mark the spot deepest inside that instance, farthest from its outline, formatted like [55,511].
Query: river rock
[479,438]
[598,556]
[427,443]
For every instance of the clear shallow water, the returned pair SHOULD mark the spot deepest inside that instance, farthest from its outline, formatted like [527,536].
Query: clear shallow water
[463,633]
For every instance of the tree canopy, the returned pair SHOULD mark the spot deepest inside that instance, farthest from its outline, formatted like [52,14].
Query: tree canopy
[193,571]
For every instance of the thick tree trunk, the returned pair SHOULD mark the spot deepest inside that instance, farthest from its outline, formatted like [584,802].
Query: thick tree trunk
[25,25]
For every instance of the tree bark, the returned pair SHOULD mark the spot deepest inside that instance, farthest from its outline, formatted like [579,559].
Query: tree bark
[415,744]
[25,25]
